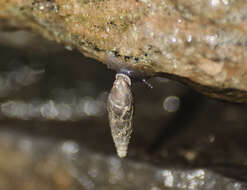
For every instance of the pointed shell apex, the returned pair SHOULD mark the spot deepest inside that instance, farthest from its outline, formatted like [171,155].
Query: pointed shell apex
[122,153]
[122,150]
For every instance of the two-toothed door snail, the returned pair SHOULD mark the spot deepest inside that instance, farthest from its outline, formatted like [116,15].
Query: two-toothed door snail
[120,113]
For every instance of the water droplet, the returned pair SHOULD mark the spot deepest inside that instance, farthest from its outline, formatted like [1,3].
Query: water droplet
[171,103]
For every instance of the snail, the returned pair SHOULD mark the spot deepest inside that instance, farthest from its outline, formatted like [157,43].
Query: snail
[120,113]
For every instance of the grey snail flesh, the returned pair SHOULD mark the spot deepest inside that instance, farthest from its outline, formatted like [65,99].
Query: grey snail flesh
[120,113]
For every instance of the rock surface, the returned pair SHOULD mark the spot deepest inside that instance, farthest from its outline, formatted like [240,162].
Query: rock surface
[67,166]
[201,43]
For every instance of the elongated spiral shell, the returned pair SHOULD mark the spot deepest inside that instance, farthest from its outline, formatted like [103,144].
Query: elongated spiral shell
[120,113]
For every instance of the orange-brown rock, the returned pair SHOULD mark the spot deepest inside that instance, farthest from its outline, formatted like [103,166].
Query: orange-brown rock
[199,42]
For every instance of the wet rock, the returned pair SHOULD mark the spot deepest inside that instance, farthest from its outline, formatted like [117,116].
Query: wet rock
[67,165]
[177,39]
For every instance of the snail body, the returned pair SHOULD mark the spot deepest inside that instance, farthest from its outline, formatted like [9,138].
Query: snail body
[120,113]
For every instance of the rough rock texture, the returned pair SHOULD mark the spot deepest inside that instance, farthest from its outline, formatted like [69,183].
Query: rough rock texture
[201,42]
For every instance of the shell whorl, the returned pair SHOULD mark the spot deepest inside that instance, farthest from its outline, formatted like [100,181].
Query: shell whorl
[120,113]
